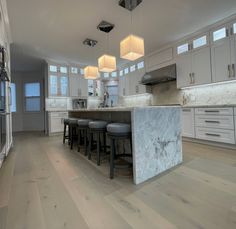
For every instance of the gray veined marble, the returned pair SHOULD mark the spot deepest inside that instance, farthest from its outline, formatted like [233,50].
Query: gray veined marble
[156,140]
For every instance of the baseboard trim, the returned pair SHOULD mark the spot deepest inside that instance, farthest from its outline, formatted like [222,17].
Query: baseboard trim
[204,142]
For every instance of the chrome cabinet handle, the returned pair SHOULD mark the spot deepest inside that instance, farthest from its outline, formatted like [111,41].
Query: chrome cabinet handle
[190,76]
[212,111]
[208,121]
[213,135]
[229,71]
[233,70]
[193,76]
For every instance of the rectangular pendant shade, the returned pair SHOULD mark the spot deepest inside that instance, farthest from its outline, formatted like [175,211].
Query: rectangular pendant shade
[107,63]
[132,48]
[91,72]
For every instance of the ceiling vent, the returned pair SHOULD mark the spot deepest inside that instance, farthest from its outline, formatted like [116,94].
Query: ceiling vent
[90,42]
[105,26]
[129,4]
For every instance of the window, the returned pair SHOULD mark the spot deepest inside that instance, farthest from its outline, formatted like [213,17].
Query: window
[81,71]
[53,85]
[13,97]
[183,48]
[64,85]
[219,34]
[74,70]
[63,70]
[106,75]
[199,42]
[32,97]
[53,68]
[114,74]
[140,65]
[234,28]
[121,72]
[126,71]
[132,68]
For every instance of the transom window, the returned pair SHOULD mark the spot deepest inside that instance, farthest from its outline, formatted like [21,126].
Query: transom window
[74,70]
[53,68]
[219,34]
[132,68]
[121,72]
[63,70]
[234,28]
[199,42]
[126,71]
[106,75]
[183,48]
[32,97]
[81,71]
[140,65]
[114,74]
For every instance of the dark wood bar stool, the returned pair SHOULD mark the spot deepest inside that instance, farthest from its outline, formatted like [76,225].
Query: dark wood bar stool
[83,126]
[97,128]
[116,132]
[72,131]
[66,130]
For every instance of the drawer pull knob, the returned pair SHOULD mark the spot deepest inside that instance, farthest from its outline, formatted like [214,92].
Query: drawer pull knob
[214,135]
[212,111]
[207,121]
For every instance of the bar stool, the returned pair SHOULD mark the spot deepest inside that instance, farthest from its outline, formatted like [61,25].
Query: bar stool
[98,128]
[82,125]
[66,130]
[72,131]
[118,131]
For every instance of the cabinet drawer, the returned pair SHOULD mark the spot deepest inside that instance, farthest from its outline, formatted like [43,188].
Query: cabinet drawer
[215,121]
[216,135]
[214,111]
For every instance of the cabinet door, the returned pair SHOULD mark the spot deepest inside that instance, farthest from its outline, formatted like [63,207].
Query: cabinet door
[220,55]
[74,85]
[201,66]
[121,86]
[233,56]
[83,87]
[188,128]
[184,69]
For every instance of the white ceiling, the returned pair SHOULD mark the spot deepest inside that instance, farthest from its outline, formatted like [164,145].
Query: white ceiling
[55,29]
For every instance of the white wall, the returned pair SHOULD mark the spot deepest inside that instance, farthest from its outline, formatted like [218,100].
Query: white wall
[25,121]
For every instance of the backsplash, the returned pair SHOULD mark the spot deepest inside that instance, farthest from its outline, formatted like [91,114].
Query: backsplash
[167,93]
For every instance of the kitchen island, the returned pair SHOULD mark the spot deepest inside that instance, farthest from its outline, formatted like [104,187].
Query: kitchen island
[156,136]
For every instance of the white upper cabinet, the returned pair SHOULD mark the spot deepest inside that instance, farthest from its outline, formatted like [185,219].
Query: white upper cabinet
[77,84]
[184,69]
[58,85]
[193,62]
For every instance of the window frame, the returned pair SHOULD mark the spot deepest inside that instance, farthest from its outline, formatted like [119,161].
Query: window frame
[188,43]
[11,97]
[199,37]
[26,97]
[226,26]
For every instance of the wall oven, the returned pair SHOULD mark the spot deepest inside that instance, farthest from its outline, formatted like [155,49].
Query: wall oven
[3,79]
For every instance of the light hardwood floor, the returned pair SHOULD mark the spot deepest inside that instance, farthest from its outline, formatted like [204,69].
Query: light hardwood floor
[45,185]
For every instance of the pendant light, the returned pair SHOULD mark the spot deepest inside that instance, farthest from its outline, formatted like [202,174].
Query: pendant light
[106,63]
[131,47]
[90,72]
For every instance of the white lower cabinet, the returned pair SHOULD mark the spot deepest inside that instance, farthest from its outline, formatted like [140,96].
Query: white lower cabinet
[217,135]
[216,124]
[56,121]
[188,123]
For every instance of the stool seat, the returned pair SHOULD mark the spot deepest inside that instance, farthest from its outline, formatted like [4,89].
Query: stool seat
[66,121]
[73,121]
[98,125]
[83,122]
[118,128]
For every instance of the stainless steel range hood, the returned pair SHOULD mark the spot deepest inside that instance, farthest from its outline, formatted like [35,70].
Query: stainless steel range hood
[161,75]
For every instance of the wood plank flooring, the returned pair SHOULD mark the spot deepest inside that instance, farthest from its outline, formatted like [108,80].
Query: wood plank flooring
[44,185]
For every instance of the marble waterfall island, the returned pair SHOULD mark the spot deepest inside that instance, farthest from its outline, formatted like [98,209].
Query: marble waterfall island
[156,136]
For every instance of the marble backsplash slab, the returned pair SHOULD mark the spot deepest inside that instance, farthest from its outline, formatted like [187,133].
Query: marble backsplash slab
[167,93]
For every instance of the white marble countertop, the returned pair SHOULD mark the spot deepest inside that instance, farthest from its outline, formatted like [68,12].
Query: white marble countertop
[121,108]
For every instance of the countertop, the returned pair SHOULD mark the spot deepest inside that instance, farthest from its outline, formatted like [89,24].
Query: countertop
[121,108]
[208,106]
